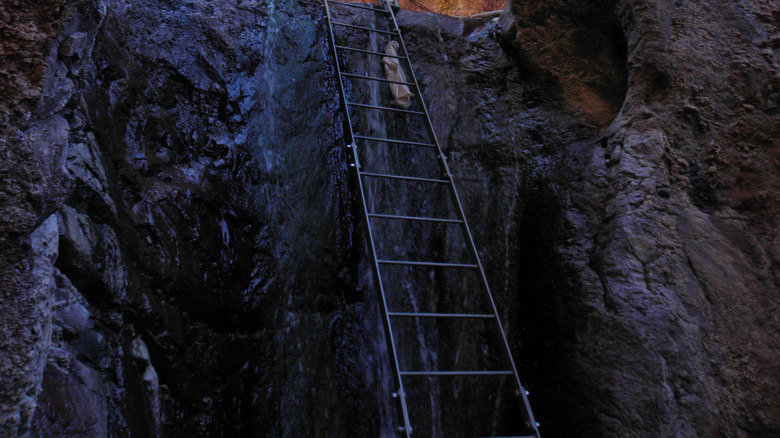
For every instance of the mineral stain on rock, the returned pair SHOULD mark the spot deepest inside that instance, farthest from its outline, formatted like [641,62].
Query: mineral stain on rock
[179,252]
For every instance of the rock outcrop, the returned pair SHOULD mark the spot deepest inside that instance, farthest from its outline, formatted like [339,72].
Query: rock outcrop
[179,163]
[31,174]
[180,255]
[462,8]
[663,229]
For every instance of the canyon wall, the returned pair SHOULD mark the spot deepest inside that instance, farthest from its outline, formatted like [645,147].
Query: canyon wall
[462,8]
[180,254]
[177,244]
[666,224]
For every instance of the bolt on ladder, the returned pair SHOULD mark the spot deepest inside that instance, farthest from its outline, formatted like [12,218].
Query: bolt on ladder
[401,376]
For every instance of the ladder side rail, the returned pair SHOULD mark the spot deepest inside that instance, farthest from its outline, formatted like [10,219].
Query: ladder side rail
[407,430]
[528,415]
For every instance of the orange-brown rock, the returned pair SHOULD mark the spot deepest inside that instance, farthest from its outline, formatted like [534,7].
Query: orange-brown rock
[582,48]
[461,8]
[25,34]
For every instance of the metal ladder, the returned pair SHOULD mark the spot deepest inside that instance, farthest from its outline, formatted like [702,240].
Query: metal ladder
[401,376]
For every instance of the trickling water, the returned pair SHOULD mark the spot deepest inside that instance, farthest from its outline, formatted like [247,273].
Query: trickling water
[372,158]
[392,198]
[438,407]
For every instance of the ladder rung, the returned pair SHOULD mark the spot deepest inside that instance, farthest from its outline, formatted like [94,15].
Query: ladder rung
[372,78]
[387,32]
[405,178]
[432,264]
[414,218]
[352,49]
[389,140]
[438,315]
[454,373]
[513,436]
[385,108]
[353,5]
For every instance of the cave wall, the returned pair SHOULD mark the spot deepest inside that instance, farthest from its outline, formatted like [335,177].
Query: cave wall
[461,8]
[664,229]
[180,254]
[177,232]
[624,160]
[30,176]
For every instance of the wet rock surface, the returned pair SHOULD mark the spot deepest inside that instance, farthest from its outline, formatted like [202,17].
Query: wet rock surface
[202,229]
[181,256]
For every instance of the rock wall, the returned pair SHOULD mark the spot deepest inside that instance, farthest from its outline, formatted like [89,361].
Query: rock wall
[180,253]
[624,159]
[199,219]
[662,230]
[462,8]
[31,174]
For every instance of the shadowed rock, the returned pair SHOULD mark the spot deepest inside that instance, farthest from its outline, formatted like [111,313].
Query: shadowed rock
[180,256]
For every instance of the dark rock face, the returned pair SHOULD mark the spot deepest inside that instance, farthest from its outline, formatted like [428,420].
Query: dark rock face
[30,176]
[180,255]
[203,229]
[655,313]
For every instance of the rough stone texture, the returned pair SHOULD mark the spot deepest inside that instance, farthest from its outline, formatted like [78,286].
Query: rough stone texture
[205,245]
[579,48]
[640,252]
[207,279]
[463,8]
[27,28]
[31,174]
[662,231]
[26,330]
